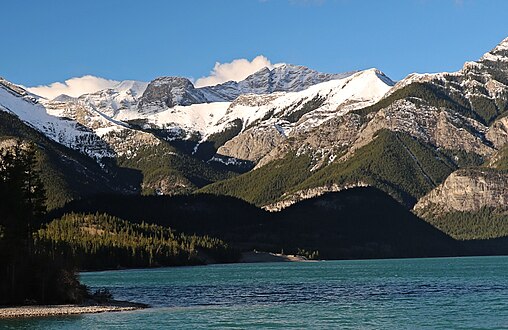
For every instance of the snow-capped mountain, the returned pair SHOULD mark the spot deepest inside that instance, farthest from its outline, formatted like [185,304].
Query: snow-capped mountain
[283,78]
[119,120]
[109,101]
[436,123]
[173,105]
[455,110]
[205,119]
[168,92]
[275,117]
[76,122]
[17,101]
[288,110]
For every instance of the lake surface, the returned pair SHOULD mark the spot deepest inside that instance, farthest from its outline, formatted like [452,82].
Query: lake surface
[443,293]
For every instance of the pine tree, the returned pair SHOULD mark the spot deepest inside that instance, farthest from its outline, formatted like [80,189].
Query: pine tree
[26,274]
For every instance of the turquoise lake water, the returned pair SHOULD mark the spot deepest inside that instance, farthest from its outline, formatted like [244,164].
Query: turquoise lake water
[443,293]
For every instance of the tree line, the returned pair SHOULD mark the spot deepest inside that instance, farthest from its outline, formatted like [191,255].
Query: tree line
[39,260]
[26,274]
[102,241]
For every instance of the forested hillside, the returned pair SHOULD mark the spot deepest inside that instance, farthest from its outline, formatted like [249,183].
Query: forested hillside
[101,241]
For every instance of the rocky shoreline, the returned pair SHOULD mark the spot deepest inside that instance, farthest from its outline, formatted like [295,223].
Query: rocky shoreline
[62,310]
[258,256]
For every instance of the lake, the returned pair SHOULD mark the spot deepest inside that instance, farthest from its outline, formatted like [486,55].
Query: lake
[440,293]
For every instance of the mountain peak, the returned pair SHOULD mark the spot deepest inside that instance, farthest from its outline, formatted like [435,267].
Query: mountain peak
[63,98]
[503,44]
[381,75]
[498,53]
[167,92]
[135,87]
[171,80]
[287,78]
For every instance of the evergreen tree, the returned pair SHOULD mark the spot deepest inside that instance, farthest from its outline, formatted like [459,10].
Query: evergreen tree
[26,275]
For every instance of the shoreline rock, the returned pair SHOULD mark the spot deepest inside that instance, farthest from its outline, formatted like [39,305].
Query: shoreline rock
[257,256]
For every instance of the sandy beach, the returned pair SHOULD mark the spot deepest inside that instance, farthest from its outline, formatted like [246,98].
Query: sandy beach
[58,310]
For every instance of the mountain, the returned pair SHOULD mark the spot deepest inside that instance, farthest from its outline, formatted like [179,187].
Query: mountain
[283,78]
[295,114]
[407,143]
[66,173]
[17,101]
[165,130]
[394,162]
[168,92]
[283,135]
[171,107]
[336,225]
[85,152]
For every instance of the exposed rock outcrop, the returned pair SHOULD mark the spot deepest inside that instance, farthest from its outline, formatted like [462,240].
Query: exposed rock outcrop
[283,78]
[440,127]
[498,132]
[252,144]
[466,190]
[301,195]
[167,92]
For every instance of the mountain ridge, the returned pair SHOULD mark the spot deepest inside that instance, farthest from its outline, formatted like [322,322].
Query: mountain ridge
[309,132]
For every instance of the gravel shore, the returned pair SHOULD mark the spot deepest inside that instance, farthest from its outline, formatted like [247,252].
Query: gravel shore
[56,310]
[257,256]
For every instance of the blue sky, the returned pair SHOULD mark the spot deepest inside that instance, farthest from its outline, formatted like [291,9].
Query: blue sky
[53,40]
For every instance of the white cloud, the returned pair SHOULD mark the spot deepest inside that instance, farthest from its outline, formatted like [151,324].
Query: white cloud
[73,87]
[235,70]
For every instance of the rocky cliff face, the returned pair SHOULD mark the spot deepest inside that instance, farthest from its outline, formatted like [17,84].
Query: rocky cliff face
[253,144]
[301,195]
[168,92]
[323,143]
[438,126]
[316,120]
[498,133]
[466,190]
[105,134]
[284,78]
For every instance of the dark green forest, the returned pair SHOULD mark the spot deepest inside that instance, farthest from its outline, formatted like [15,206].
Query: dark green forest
[27,274]
[394,162]
[485,223]
[66,173]
[163,162]
[481,109]
[39,258]
[101,241]
[267,184]
[336,225]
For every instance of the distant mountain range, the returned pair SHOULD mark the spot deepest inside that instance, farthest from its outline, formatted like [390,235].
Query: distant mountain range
[437,143]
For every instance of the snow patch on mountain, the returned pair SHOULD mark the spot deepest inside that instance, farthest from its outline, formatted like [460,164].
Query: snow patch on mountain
[360,89]
[64,131]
